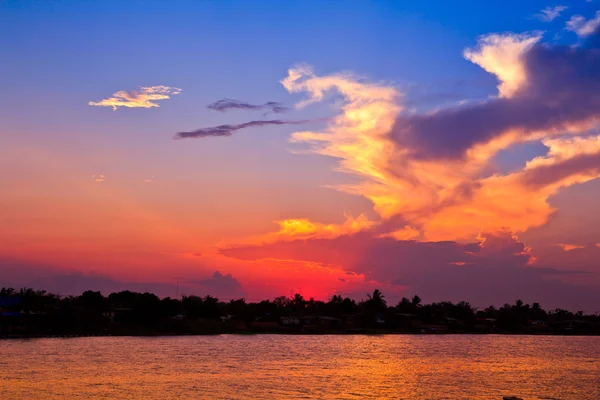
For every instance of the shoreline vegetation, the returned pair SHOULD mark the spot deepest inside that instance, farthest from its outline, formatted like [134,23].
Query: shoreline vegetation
[28,313]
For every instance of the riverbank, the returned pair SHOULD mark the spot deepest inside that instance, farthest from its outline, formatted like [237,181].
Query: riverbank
[27,314]
[290,333]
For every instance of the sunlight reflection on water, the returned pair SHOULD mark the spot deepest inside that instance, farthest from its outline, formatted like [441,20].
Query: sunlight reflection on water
[302,367]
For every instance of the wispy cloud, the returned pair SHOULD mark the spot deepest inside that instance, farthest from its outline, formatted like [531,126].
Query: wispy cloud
[569,247]
[144,97]
[231,104]
[548,14]
[98,178]
[302,228]
[228,130]
[583,27]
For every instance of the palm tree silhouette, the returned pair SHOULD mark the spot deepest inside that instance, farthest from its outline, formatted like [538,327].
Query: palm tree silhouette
[336,299]
[416,301]
[298,302]
[377,298]
[519,303]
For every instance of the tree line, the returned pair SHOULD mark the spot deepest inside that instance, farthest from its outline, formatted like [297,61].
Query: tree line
[29,312]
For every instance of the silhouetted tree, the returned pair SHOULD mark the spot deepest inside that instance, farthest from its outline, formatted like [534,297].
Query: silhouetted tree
[416,301]
[336,299]
[374,305]
[377,298]
[298,302]
[33,312]
[281,302]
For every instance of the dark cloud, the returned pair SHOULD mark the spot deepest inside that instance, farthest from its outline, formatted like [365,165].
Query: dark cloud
[228,130]
[496,272]
[18,274]
[226,286]
[231,104]
[563,88]
[582,261]
[554,271]
[383,258]
[547,174]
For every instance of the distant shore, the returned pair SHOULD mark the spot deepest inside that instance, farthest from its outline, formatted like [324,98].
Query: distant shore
[28,313]
[246,333]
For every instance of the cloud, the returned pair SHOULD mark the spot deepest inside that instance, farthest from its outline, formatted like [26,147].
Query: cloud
[231,104]
[447,217]
[569,247]
[302,228]
[548,14]
[144,97]
[406,233]
[580,261]
[98,178]
[569,161]
[15,273]
[544,90]
[494,270]
[583,27]
[228,130]
[502,55]
[225,286]
[435,171]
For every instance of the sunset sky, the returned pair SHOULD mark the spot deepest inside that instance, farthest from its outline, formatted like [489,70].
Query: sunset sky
[258,149]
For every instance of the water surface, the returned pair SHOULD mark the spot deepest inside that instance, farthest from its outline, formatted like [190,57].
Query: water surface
[302,367]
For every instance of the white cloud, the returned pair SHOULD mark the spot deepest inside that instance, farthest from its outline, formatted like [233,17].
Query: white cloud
[583,27]
[501,55]
[144,97]
[548,14]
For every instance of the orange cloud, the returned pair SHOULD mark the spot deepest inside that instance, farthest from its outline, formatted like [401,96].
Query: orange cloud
[144,97]
[569,247]
[406,233]
[302,228]
[455,198]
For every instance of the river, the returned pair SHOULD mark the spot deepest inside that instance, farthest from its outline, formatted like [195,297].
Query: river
[302,367]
